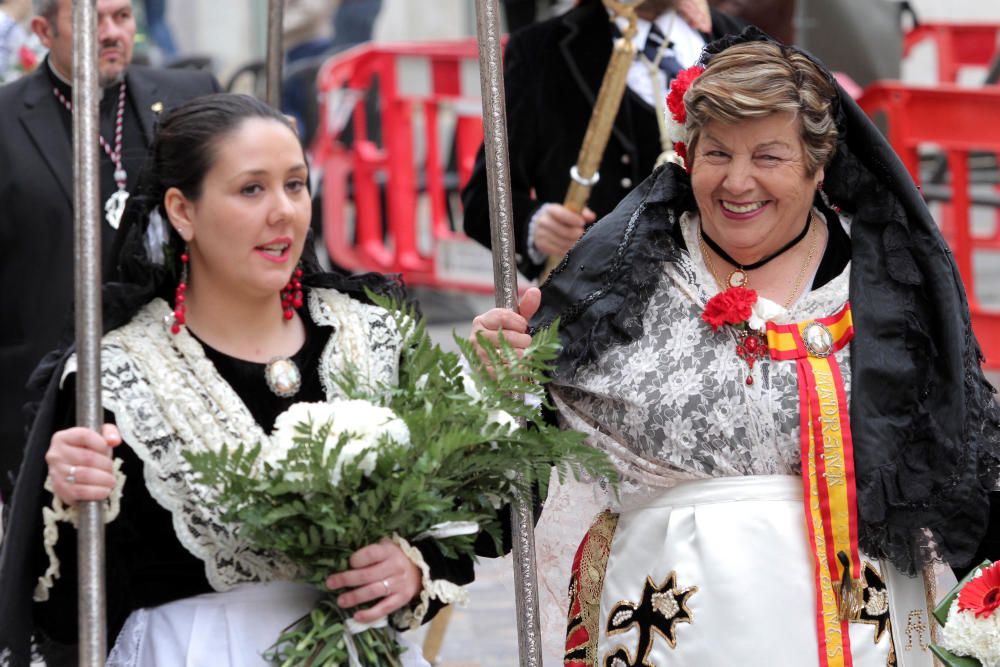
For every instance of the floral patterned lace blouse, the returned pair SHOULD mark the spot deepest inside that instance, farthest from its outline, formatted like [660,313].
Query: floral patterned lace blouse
[674,404]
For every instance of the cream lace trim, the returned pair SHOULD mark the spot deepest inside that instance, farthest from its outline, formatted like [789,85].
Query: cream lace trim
[167,398]
[59,511]
[437,589]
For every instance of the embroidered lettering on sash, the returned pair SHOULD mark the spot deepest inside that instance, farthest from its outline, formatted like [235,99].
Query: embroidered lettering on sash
[827,473]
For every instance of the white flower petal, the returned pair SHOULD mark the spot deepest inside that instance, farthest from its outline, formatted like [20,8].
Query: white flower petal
[363,422]
[966,635]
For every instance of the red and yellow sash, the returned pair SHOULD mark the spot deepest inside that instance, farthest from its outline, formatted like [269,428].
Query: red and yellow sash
[827,467]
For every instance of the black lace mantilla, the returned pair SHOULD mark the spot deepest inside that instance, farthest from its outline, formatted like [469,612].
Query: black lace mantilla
[925,422]
[599,291]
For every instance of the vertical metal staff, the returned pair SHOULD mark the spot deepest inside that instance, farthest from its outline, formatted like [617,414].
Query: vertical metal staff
[87,279]
[275,50]
[505,280]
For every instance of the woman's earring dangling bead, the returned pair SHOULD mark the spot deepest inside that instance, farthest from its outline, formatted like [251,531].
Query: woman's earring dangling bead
[291,294]
[180,297]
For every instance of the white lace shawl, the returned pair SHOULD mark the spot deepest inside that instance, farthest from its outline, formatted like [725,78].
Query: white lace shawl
[168,397]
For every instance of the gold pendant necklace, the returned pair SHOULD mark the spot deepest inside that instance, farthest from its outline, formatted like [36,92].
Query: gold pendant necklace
[740,278]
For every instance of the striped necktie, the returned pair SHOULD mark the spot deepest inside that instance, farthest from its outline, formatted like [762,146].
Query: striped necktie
[668,62]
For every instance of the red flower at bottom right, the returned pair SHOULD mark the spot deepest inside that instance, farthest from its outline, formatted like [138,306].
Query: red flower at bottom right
[982,594]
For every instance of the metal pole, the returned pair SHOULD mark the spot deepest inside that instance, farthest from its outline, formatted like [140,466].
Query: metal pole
[275,50]
[87,279]
[505,280]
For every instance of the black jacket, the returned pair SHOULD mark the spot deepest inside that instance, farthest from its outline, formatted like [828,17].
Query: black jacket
[552,73]
[36,222]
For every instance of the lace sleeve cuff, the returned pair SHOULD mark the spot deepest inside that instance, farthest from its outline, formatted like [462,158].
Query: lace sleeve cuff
[59,511]
[410,618]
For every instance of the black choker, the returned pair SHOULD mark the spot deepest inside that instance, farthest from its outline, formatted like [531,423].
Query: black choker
[741,273]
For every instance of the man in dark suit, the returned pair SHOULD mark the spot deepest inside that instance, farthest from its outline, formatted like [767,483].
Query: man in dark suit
[553,71]
[36,186]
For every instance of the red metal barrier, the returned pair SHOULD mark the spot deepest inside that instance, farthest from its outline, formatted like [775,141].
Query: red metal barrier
[958,45]
[404,163]
[956,121]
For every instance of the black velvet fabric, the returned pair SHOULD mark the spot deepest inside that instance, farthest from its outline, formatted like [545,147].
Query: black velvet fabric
[925,423]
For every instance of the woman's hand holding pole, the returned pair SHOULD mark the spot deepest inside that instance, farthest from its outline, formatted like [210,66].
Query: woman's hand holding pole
[80,463]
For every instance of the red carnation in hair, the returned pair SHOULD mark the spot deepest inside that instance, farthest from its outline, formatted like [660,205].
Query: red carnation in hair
[733,306]
[681,149]
[679,86]
[982,594]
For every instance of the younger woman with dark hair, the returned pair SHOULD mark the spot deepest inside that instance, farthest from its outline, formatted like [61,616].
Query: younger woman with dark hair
[202,349]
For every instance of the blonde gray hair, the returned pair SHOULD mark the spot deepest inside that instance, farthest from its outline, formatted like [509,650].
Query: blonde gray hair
[757,79]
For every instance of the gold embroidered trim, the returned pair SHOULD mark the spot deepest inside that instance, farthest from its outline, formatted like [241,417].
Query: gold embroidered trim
[588,587]
[930,596]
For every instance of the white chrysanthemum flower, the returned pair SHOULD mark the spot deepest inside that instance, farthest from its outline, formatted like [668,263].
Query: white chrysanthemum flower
[501,417]
[966,635]
[363,422]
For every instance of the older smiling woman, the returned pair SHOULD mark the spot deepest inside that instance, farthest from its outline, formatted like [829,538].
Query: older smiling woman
[790,390]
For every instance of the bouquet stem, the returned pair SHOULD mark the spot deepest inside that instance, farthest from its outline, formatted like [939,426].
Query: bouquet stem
[321,637]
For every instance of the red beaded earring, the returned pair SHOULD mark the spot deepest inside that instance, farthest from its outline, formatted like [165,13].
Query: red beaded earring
[180,309]
[825,198]
[291,294]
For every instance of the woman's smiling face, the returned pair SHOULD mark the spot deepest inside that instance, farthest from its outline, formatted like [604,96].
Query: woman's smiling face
[751,184]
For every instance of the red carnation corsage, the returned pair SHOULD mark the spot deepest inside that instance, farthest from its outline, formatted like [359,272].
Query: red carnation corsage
[734,307]
[970,633]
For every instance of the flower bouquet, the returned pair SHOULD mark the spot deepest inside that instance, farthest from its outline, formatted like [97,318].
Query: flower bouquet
[433,459]
[971,633]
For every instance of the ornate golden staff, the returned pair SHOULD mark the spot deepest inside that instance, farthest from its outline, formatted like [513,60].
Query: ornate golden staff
[584,175]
